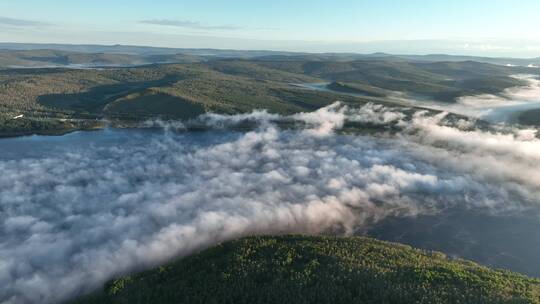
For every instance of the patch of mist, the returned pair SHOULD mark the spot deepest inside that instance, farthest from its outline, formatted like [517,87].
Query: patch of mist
[501,108]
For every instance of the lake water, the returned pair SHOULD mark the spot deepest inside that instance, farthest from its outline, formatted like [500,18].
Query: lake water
[39,146]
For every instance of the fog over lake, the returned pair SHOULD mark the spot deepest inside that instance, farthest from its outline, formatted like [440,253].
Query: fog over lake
[80,209]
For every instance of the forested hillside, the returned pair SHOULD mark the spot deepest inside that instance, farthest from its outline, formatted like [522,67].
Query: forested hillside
[45,100]
[302,269]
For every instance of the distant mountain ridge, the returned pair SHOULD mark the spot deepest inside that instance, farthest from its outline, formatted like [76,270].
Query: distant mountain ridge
[137,50]
[125,55]
[47,58]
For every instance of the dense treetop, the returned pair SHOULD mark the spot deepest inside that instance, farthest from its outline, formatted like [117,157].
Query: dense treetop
[305,269]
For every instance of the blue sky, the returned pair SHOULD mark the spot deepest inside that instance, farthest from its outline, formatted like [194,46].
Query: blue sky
[478,27]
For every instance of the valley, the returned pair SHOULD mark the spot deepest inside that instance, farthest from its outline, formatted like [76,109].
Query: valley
[57,100]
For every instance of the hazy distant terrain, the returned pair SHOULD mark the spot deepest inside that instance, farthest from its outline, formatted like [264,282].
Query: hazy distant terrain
[126,86]
[55,58]
[31,55]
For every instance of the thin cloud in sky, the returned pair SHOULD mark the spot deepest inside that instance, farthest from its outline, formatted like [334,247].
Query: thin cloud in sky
[190,24]
[21,22]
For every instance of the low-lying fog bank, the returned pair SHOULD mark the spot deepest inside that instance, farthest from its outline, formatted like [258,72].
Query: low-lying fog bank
[80,209]
[505,107]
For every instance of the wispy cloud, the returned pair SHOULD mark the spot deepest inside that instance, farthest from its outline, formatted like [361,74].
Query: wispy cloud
[21,22]
[190,24]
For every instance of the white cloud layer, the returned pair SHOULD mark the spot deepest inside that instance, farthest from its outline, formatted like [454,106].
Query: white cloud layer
[21,22]
[73,218]
[189,24]
[501,108]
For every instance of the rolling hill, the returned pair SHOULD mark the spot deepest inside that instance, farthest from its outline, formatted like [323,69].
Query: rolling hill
[59,99]
[302,269]
[47,58]
[441,81]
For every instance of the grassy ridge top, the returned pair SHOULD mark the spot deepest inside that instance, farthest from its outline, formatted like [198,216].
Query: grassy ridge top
[303,269]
